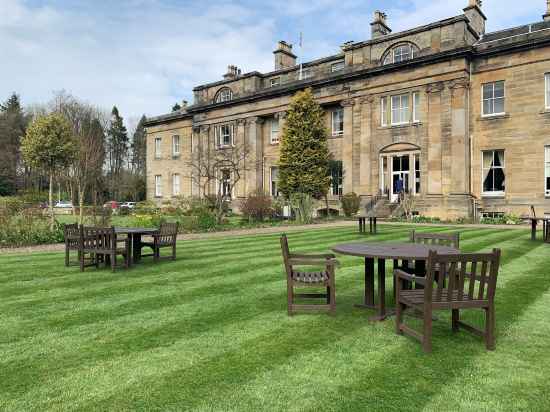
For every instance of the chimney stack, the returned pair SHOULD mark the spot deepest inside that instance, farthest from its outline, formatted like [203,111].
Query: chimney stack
[284,58]
[232,72]
[546,17]
[475,16]
[379,28]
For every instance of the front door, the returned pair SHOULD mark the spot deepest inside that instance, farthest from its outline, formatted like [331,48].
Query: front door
[400,176]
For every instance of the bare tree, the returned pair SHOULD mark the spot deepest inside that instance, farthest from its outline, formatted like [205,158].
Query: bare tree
[216,172]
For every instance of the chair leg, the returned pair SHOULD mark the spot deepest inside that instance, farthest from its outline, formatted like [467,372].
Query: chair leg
[427,332]
[174,251]
[455,319]
[490,327]
[328,295]
[82,262]
[66,255]
[332,292]
[290,299]
[113,262]
[399,308]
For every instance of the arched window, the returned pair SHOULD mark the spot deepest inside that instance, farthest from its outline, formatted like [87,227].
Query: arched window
[400,53]
[224,95]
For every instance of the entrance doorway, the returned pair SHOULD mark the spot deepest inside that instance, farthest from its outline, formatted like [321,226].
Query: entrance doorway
[400,176]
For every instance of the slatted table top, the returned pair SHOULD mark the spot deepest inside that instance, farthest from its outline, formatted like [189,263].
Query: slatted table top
[400,251]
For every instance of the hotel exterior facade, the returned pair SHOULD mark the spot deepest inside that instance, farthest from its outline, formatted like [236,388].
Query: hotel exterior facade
[460,116]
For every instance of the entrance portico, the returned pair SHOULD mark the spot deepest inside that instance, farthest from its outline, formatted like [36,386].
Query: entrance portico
[400,170]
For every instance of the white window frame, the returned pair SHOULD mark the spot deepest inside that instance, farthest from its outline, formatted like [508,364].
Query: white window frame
[390,57]
[306,73]
[493,99]
[337,120]
[404,111]
[547,91]
[274,82]
[503,167]
[222,132]
[416,107]
[274,131]
[158,185]
[224,95]
[176,184]
[222,182]
[274,193]
[158,147]
[338,66]
[546,170]
[176,141]
[384,111]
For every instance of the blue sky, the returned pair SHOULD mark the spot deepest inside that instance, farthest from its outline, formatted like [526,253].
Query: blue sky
[144,55]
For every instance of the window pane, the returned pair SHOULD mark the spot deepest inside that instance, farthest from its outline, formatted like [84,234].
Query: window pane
[487,159]
[383,110]
[488,91]
[488,182]
[499,89]
[498,106]
[487,107]
[499,180]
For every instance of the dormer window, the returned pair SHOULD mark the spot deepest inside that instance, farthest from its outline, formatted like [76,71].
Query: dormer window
[400,53]
[224,95]
[336,67]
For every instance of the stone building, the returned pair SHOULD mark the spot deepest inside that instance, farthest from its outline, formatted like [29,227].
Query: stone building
[460,116]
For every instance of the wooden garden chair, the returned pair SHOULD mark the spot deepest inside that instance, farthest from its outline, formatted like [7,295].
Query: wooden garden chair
[471,283]
[102,244]
[308,279]
[443,239]
[166,237]
[71,234]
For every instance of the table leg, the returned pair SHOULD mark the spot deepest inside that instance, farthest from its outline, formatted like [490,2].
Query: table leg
[381,306]
[130,246]
[368,300]
[136,246]
[533,229]
[420,271]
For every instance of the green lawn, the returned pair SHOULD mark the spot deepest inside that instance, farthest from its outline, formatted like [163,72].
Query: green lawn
[210,332]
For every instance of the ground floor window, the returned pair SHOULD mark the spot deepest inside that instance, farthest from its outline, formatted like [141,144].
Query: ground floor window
[547,170]
[417,186]
[176,191]
[225,183]
[494,177]
[158,185]
[337,178]
[274,176]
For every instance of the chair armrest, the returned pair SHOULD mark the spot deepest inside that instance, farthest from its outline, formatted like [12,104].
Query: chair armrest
[401,274]
[313,256]
[313,262]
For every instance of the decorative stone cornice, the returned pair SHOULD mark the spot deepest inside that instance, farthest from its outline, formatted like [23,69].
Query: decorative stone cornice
[348,103]
[366,99]
[241,122]
[254,120]
[463,83]
[281,115]
[435,87]
[205,128]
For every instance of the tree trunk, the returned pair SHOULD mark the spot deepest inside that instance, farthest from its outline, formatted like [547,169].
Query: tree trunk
[52,218]
[80,204]
[326,205]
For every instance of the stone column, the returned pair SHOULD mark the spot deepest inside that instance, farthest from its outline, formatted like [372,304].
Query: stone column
[368,164]
[460,150]
[254,141]
[433,169]
[241,189]
[193,147]
[347,147]
[204,146]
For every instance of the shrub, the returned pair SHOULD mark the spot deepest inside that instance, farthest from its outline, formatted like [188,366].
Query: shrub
[257,206]
[506,219]
[304,205]
[206,220]
[350,204]
[11,205]
[28,229]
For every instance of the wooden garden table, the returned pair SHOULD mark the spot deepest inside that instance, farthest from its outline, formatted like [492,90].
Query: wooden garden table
[135,234]
[405,252]
[363,225]
[534,223]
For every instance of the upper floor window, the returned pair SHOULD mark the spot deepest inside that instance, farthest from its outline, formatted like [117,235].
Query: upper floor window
[225,135]
[547,89]
[175,145]
[336,67]
[337,117]
[274,187]
[547,170]
[274,132]
[400,106]
[493,98]
[224,95]
[400,53]
[158,148]
[274,82]
[305,74]
[494,178]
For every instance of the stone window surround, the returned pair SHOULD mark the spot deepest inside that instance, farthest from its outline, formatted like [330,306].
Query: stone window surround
[176,145]
[340,112]
[386,105]
[274,137]
[225,94]
[176,184]
[221,131]
[158,147]
[389,56]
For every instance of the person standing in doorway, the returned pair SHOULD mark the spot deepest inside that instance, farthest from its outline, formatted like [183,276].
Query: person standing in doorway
[399,188]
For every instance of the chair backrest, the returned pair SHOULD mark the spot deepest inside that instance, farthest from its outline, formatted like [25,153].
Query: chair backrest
[533,213]
[168,232]
[71,231]
[444,239]
[286,255]
[469,276]
[98,238]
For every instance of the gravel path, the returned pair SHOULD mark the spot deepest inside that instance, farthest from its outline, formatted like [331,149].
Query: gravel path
[266,230]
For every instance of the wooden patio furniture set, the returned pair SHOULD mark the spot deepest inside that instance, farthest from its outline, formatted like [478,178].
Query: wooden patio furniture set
[430,274]
[97,245]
